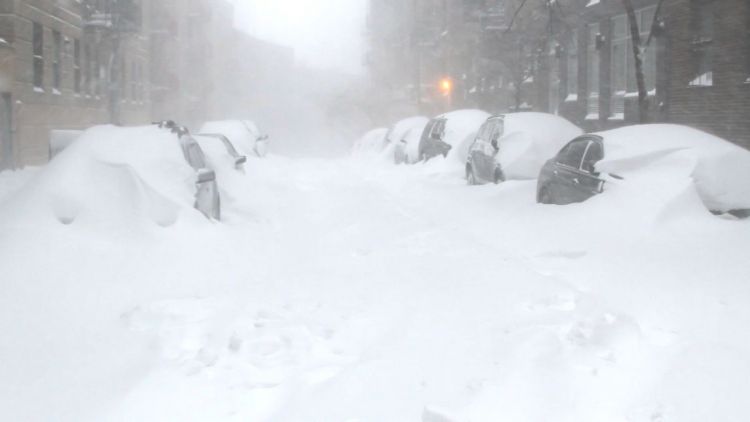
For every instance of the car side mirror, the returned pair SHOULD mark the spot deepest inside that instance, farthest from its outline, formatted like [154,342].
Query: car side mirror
[206,175]
[240,161]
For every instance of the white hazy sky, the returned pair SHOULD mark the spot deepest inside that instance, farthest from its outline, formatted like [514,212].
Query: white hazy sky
[324,33]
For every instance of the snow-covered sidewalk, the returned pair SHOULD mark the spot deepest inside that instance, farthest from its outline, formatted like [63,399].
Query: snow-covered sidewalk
[346,290]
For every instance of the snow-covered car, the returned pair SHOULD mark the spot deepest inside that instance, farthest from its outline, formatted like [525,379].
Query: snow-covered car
[516,146]
[221,147]
[404,137]
[658,153]
[207,199]
[371,142]
[450,134]
[244,135]
[123,178]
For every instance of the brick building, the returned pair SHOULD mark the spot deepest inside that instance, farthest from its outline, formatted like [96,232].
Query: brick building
[696,67]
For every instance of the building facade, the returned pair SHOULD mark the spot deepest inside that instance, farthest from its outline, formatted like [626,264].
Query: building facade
[66,64]
[576,58]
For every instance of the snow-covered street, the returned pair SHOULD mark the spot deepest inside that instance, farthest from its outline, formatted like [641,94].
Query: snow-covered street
[352,290]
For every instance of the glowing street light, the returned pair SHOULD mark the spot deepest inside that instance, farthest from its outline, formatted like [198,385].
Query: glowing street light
[446,86]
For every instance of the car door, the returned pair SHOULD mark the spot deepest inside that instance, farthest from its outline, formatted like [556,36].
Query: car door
[569,183]
[478,148]
[487,164]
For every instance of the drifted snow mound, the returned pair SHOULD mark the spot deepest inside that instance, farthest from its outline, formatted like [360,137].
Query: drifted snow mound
[371,142]
[530,140]
[243,134]
[719,170]
[460,130]
[111,177]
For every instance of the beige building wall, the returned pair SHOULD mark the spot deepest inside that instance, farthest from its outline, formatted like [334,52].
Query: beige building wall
[36,110]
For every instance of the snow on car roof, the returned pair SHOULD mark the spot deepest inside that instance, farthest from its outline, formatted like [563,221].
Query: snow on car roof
[372,141]
[460,129]
[242,136]
[720,169]
[399,129]
[530,139]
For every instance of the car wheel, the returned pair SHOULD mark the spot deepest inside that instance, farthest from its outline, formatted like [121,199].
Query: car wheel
[544,196]
[499,176]
[471,178]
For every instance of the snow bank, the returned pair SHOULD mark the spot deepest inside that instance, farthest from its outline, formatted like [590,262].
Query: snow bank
[111,177]
[371,142]
[719,169]
[530,140]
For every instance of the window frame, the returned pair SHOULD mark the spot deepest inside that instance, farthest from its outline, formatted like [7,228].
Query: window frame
[37,46]
[571,84]
[703,25]
[57,56]
[593,76]
[77,66]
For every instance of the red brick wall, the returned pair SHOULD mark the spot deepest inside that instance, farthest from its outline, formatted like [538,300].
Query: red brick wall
[724,108]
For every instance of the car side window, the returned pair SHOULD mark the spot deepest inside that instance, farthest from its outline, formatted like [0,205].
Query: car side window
[196,156]
[484,132]
[439,127]
[594,153]
[572,154]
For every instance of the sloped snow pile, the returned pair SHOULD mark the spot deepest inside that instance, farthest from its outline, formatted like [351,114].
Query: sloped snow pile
[460,130]
[371,142]
[530,139]
[111,177]
[720,170]
[242,134]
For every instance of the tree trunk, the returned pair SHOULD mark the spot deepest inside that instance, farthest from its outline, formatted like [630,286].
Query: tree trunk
[635,34]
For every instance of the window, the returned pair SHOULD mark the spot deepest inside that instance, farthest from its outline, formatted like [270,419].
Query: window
[56,60]
[623,71]
[38,51]
[133,82]
[592,58]
[124,80]
[702,43]
[594,154]
[572,82]
[87,69]
[77,66]
[619,64]
[97,76]
[572,154]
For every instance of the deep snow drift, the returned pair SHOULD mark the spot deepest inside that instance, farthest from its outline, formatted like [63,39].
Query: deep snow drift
[355,290]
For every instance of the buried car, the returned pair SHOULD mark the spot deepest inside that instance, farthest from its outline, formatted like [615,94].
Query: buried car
[122,178]
[207,199]
[223,147]
[516,146]
[450,134]
[243,134]
[403,138]
[718,169]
